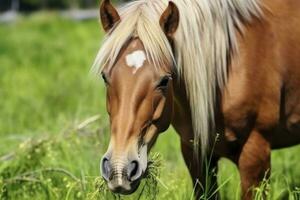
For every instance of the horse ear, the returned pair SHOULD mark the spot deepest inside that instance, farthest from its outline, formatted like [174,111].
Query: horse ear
[109,15]
[169,20]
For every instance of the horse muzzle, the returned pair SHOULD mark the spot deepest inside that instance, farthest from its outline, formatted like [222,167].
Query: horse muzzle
[122,175]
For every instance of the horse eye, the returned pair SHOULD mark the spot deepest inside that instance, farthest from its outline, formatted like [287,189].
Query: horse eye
[104,78]
[163,83]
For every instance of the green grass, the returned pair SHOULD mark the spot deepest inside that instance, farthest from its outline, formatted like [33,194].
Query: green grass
[46,92]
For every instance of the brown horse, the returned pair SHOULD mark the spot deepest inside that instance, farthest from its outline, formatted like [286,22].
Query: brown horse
[228,67]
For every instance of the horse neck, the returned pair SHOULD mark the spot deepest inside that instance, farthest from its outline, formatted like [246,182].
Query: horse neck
[182,117]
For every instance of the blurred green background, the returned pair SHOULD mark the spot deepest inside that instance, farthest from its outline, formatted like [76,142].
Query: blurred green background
[33,5]
[53,122]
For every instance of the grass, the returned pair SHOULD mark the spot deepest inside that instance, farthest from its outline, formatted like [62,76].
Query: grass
[48,151]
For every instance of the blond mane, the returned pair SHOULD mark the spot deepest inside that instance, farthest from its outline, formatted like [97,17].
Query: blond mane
[203,42]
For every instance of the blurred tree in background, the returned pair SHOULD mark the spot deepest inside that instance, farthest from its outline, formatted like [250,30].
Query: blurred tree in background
[33,5]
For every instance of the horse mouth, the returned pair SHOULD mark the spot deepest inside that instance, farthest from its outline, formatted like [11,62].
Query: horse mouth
[121,190]
[130,186]
[126,188]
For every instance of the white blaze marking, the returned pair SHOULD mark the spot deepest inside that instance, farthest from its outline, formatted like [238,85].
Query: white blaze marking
[136,60]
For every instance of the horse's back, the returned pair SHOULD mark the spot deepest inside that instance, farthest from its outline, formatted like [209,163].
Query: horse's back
[263,89]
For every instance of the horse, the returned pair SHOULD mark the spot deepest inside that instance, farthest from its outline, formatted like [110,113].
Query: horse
[212,69]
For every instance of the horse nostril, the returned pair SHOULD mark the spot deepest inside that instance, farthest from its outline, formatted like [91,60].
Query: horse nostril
[106,168]
[133,170]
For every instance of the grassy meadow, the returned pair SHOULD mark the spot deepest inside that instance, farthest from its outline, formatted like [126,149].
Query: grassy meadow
[54,127]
